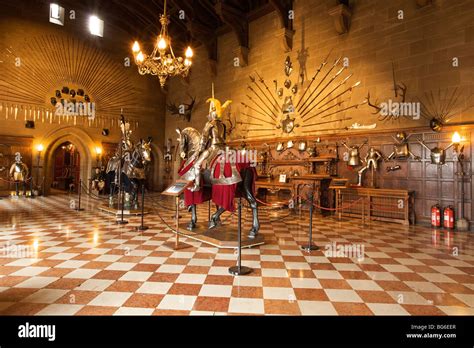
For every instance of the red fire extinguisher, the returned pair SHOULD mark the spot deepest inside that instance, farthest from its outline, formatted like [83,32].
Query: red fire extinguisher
[435,216]
[448,218]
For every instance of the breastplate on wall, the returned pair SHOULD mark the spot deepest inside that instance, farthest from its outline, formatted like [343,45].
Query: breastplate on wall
[354,159]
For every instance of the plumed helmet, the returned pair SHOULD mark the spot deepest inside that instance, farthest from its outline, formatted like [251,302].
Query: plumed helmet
[215,106]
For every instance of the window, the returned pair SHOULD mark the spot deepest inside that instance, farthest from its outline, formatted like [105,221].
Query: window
[96,26]
[56,14]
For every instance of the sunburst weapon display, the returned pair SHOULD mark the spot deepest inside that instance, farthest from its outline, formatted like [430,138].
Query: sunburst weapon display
[441,109]
[316,102]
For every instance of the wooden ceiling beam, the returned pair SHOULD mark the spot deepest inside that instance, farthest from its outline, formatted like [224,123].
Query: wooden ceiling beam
[285,33]
[237,20]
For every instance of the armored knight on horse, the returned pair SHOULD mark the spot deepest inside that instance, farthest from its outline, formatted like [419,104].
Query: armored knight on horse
[215,174]
[131,161]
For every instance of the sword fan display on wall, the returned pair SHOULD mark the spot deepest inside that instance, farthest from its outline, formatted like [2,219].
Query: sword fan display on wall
[283,109]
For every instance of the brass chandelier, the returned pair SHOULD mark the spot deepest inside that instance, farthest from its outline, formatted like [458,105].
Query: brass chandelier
[162,62]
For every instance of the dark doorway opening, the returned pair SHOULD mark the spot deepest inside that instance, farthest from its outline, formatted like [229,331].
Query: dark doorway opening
[67,168]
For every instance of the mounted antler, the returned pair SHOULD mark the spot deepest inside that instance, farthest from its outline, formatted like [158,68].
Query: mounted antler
[375,106]
[184,110]
[402,87]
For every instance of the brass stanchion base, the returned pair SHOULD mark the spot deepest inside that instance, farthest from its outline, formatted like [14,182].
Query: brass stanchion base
[121,222]
[309,247]
[242,270]
[141,228]
[176,246]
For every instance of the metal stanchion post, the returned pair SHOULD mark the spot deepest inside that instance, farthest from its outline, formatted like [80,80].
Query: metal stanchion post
[310,246]
[177,245]
[142,227]
[121,199]
[239,269]
[208,211]
[78,208]
[32,195]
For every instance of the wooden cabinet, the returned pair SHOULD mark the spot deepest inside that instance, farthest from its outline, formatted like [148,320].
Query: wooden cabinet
[296,187]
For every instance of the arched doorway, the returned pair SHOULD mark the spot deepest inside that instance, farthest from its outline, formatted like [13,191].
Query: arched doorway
[84,146]
[66,168]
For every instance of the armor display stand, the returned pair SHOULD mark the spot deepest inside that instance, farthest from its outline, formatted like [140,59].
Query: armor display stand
[142,227]
[78,208]
[239,269]
[310,246]
[121,196]
[175,190]
[177,245]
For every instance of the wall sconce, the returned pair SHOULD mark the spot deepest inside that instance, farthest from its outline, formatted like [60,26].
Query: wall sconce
[39,148]
[98,152]
[456,140]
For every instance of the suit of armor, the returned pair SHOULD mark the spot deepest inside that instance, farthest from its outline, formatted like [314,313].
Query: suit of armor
[371,160]
[19,173]
[212,140]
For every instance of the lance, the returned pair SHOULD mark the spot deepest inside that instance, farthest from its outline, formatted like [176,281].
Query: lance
[323,64]
[343,82]
[328,108]
[320,82]
[326,122]
[268,89]
[256,118]
[349,107]
[452,101]
[444,108]
[263,110]
[340,94]
[265,94]
[260,98]
[250,124]
[253,109]
[322,89]
[261,130]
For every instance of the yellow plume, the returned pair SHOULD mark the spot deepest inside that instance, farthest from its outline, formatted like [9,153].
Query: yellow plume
[218,107]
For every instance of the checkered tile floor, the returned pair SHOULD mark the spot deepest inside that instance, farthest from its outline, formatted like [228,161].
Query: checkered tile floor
[54,260]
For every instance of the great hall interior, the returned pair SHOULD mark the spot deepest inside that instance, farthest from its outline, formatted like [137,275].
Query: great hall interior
[230,157]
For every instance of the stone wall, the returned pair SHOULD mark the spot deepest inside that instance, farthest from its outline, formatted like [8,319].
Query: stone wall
[421,47]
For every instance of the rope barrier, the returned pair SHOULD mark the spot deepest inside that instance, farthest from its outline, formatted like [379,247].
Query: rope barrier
[353,203]
[17,181]
[92,195]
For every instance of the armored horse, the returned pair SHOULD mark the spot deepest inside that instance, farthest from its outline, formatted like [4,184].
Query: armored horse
[226,177]
[133,164]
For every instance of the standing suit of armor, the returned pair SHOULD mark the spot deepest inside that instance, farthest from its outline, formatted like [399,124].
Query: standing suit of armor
[19,173]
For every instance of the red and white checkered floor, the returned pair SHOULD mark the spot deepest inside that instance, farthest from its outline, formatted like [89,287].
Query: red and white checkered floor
[56,261]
